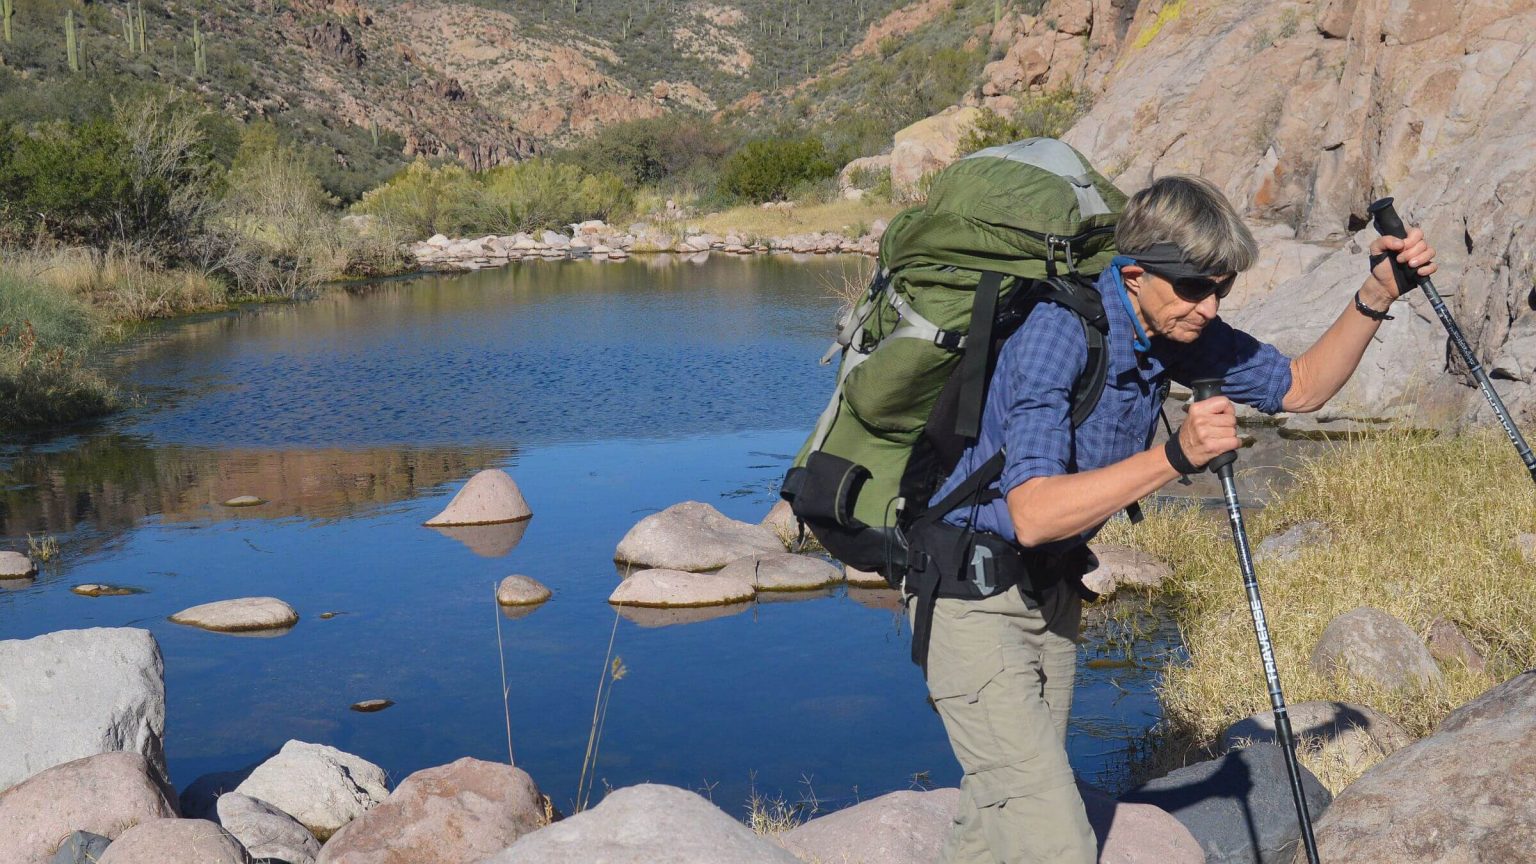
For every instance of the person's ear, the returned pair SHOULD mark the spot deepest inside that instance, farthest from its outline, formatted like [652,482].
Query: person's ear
[1131,275]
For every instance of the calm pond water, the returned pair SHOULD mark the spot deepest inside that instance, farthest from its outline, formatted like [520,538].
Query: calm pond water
[609,391]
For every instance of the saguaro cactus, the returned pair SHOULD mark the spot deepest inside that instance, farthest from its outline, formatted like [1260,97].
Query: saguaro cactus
[7,11]
[71,42]
[199,51]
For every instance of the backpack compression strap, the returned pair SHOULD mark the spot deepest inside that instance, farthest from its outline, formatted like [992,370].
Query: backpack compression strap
[973,367]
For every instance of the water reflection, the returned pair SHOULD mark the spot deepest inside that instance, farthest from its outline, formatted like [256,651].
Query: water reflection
[487,541]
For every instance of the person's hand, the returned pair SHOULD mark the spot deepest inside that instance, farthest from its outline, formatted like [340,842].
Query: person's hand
[1412,251]
[1209,431]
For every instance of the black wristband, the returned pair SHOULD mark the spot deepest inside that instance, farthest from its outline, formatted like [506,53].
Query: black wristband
[1177,459]
[1369,312]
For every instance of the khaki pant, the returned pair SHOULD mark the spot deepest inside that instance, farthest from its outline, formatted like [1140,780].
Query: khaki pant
[1000,672]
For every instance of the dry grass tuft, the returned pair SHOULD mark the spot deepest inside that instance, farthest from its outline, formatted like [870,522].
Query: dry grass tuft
[850,218]
[1422,527]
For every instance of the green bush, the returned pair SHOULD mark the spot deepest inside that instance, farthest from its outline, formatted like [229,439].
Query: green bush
[424,200]
[542,194]
[1041,114]
[768,169]
[44,376]
[652,150]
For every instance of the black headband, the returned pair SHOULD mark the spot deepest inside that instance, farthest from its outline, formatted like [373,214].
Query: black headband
[1167,259]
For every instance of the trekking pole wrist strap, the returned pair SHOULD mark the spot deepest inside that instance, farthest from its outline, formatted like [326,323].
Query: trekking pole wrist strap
[1177,459]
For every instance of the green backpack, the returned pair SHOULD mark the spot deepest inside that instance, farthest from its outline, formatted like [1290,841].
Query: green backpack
[1003,230]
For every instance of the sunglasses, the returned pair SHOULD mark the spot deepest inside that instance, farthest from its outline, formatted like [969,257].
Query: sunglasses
[1193,289]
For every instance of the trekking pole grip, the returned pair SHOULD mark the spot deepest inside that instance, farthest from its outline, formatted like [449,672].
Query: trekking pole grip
[1389,224]
[1207,388]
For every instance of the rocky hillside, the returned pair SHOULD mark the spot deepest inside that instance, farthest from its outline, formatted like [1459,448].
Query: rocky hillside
[1304,112]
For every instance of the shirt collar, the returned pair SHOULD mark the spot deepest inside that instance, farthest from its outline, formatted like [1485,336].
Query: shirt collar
[1124,326]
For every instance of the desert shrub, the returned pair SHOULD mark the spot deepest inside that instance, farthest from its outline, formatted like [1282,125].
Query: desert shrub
[543,194]
[767,169]
[652,150]
[1041,114]
[425,199]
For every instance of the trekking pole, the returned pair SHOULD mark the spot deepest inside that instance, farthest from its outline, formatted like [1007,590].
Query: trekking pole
[1388,223]
[1206,388]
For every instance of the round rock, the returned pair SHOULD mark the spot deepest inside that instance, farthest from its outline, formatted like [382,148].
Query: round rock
[176,841]
[489,497]
[245,501]
[671,589]
[1123,565]
[235,616]
[1372,645]
[518,590]
[693,536]
[899,828]
[14,565]
[781,571]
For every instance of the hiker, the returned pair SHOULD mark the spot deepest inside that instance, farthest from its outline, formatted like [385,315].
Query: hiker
[1000,670]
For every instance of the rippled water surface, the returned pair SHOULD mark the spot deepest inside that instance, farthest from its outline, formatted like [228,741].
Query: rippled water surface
[609,391]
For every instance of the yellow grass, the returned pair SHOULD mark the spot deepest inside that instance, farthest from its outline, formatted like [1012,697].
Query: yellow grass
[123,285]
[1422,528]
[851,218]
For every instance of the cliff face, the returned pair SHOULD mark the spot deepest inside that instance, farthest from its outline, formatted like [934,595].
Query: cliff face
[1305,112]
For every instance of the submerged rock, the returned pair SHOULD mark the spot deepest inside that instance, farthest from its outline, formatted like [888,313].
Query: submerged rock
[693,536]
[77,693]
[322,787]
[646,824]
[490,497]
[14,565]
[664,589]
[455,813]
[266,831]
[240,615]
[1238,807]
[98,590]
[176,841]
[1354,735]
[1372,645]
[372,706]
[782,571]
[1462,794]
[1123,565]
[518,590]
[104,794]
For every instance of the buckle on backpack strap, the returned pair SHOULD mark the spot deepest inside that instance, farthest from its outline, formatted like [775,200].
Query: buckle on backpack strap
[949,340]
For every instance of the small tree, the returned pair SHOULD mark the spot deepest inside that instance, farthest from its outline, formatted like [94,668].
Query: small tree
[767,169]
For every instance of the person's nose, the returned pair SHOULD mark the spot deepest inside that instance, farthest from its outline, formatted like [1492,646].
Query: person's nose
[1208,307]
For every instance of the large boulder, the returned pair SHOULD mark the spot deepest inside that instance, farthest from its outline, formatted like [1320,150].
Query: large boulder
[320,786]
[265,831]
[677,589]
[693,536]
[490,497]
[176,841]
[929,145]
[104,794]
[643,825]
[1238,807]
[464,811]
[76,693]
[1353,736]
[1123,565]
[1463,794]
[782,571]
[1138,833]
[899,828]
[241,615]
[1372,645]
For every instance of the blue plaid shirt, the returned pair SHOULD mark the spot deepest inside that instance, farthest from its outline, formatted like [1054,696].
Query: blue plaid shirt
[1029,408]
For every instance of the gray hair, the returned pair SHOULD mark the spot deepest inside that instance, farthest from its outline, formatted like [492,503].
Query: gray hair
[1191,213]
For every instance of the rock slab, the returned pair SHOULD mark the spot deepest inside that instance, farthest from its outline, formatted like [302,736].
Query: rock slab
[1123,565]
[240,615]
[1372,645]
[265,831]
[899,828]
[77,693]
[1238,807]
[1461,795]
[464,811]
[678,589]
[105,794]
[693,536]
[176,841]
[782,571]
[643,825]
[1354,734]
[490,497]
[320,786]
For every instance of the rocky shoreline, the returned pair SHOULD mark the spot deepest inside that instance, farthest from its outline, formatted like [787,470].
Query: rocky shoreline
[598,241]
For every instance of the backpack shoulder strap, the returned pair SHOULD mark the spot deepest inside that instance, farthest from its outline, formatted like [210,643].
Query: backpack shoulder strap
[1089,307]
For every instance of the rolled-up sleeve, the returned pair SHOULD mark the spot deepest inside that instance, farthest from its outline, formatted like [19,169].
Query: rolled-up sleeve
[1036,371]
[1255,373]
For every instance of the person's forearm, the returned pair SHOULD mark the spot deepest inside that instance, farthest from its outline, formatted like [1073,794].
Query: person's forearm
[1044,509]
[1321,371]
